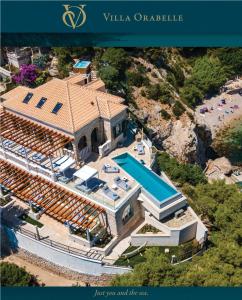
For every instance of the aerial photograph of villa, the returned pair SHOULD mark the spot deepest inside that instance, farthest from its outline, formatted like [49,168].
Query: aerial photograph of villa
[110,158]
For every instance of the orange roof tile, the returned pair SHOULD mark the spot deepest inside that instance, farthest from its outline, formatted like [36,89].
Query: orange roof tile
[81,104]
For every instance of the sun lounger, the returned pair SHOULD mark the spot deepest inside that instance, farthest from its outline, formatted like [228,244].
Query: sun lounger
[83,188]
[23,151]
[109,193]
[110,169]
[60,161]
[121,183]
[8,144]
[140,149]
[64,179]
[38,157]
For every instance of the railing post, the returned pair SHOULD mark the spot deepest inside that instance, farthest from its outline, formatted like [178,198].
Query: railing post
[37,233]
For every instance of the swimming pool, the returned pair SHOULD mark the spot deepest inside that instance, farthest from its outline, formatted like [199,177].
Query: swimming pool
[150,181]
[82,64]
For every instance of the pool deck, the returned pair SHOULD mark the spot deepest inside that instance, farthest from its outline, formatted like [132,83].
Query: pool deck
[97,163]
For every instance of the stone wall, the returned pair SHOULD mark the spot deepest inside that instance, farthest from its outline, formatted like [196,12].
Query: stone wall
[64,259]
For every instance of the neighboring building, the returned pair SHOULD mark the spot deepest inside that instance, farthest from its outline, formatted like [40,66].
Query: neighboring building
[19,56]
[70,138]
[24,55]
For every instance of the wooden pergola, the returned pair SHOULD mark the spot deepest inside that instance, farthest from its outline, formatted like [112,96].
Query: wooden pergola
[31,135]
[54,201]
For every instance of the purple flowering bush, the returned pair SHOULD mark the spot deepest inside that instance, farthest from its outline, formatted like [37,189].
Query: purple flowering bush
[26,75]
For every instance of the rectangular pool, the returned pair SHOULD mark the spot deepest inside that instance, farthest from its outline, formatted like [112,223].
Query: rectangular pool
[150,181]
[82,64]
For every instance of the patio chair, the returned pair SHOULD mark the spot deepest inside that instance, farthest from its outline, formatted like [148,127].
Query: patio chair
[110,169]
[109,193]
[140,149]
[64,179]
[11,144]
[83,188]
[121,183]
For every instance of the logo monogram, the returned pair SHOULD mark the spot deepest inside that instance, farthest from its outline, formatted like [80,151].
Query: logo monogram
[74,16]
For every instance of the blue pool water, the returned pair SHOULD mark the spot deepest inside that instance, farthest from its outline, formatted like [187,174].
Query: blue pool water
[145,177]
[82,64]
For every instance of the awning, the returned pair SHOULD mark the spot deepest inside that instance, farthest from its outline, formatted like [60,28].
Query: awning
[85,173]
[67,164]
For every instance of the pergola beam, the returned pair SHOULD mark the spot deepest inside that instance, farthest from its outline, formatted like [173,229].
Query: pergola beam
[31,135]
[30,187]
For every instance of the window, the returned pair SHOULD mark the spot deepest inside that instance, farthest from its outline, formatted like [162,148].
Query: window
[27,98]
[127,213]
[117,130]
[41,102]
[57,108]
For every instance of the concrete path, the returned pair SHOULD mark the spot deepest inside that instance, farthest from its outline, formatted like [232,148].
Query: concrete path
[118,250]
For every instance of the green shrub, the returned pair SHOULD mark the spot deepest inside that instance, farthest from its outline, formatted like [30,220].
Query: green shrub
[136,79]
[165,115]
[143,94]
[179,172]
[178,109]
[12,275]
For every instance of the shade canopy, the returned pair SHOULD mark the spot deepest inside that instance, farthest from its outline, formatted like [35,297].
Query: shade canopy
[86,173]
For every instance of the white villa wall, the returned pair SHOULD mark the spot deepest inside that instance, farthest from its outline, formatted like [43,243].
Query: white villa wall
[169,236]
[188,232]
[109,124]
[67,260]
[163,212]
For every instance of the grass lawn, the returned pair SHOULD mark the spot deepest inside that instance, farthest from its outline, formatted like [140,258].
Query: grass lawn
[179,251]
[132,261]
[29,220]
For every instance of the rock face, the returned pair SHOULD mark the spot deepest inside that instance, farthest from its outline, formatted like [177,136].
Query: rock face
[188,142]
[221,165]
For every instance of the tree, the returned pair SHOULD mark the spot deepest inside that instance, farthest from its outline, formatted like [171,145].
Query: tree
[220,265]
[12,275]
[136,79]
[178,109]
[26,75]
[116,58]
[231,58]
[41,61]
[181,173]
[191,95]
[208,75]
[155,271]
[110,77]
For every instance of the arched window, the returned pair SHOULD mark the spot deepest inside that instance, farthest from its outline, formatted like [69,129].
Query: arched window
[82,143]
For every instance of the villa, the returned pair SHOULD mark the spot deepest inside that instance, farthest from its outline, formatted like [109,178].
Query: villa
[70,152]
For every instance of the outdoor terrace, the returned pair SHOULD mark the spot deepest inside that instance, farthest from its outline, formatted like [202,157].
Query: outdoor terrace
[97,163]
[175,222]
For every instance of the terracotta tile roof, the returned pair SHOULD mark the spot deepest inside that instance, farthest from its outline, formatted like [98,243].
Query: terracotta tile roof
[81,104]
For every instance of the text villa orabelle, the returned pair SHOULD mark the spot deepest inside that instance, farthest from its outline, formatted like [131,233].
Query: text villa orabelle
[140,17]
